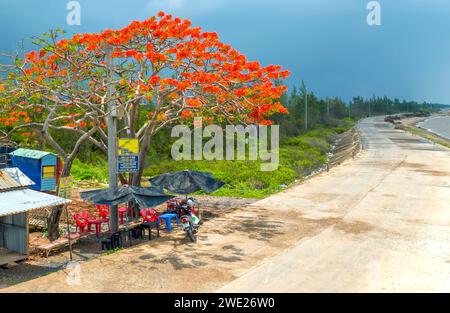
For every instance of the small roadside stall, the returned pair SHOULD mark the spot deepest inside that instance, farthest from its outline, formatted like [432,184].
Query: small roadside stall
[16,201]
[41,167]
[138,200]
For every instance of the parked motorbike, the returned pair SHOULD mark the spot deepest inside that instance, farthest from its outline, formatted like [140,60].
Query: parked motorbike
[189,221]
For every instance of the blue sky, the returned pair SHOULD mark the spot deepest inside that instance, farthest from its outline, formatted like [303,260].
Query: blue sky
[325,42]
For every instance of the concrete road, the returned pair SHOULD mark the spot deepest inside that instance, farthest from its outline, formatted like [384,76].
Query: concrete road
[392,223]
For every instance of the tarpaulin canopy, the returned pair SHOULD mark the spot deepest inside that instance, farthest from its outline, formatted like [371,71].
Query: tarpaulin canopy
[145,197]
[187,181]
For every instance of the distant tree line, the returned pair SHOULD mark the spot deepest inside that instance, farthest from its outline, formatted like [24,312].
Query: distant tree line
[329,112]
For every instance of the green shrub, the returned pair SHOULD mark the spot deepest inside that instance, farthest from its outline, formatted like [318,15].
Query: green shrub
[90,171]
[299,156]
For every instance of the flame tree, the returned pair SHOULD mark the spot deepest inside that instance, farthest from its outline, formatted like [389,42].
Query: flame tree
[165,72]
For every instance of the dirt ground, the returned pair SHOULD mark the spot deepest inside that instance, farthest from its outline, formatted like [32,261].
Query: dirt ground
[89,248]
[230,241]
[228,244]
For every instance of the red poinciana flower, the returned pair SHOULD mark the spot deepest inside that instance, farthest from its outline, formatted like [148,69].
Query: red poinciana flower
[162,65]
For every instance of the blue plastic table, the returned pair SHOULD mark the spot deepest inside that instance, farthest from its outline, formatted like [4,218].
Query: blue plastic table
[167,217]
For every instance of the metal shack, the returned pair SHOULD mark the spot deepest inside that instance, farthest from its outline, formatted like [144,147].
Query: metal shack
[5,149]
[39,166]
[16,201]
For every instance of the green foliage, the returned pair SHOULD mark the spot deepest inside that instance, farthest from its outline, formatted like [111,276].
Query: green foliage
[299,156]
[97,171]
[331,112]
[109,252]
[361,107]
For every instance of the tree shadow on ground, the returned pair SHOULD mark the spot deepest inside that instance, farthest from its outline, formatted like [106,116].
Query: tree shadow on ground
[261,228]
[23,272]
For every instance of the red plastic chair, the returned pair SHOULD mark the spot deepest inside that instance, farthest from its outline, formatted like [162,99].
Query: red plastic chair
[103,210]
[122,211]
[95,221]
[81,222]
[149,215]
[171,204]
[85,216]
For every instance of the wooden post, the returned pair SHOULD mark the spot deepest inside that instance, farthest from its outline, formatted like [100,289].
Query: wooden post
[68,232]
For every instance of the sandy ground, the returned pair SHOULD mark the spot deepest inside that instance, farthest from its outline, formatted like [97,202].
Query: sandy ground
[88,248]
[378,223]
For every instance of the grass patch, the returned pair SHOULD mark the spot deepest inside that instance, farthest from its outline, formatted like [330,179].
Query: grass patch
[97,171]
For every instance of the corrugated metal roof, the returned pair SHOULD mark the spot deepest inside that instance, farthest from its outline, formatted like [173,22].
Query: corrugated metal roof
[12,178]
[28,153]
[24,200]
[8,144]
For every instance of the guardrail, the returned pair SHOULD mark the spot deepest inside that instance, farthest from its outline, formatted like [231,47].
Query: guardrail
[347,146]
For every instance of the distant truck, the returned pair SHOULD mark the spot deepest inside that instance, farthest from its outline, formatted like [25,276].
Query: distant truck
[395,119]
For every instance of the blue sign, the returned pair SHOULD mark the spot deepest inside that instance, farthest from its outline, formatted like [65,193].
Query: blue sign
[128,163]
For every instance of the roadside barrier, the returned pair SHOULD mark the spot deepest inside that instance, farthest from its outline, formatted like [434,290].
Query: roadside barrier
[348,145]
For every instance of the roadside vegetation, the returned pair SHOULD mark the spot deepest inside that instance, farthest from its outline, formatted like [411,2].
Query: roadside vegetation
[299,157]
[301,151]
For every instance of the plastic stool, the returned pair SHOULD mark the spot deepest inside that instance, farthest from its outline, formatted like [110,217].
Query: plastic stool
[149,226]
[137,233]
[107,244]
[167,219]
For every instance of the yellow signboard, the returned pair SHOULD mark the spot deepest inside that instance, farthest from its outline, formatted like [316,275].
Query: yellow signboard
[128,146]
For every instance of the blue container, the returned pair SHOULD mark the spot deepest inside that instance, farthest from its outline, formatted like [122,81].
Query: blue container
[39,166]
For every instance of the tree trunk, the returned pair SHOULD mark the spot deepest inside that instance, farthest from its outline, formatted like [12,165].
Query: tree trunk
[53,223]
[135,178]
[67,167]
[41,141]
[55,216]
[123,179]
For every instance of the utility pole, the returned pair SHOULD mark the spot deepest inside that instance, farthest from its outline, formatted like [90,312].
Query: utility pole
[305,92]
[328,109]
[112,140]
[306,109]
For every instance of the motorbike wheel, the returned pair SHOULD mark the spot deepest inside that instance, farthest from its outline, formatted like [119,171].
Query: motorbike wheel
[191,235]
